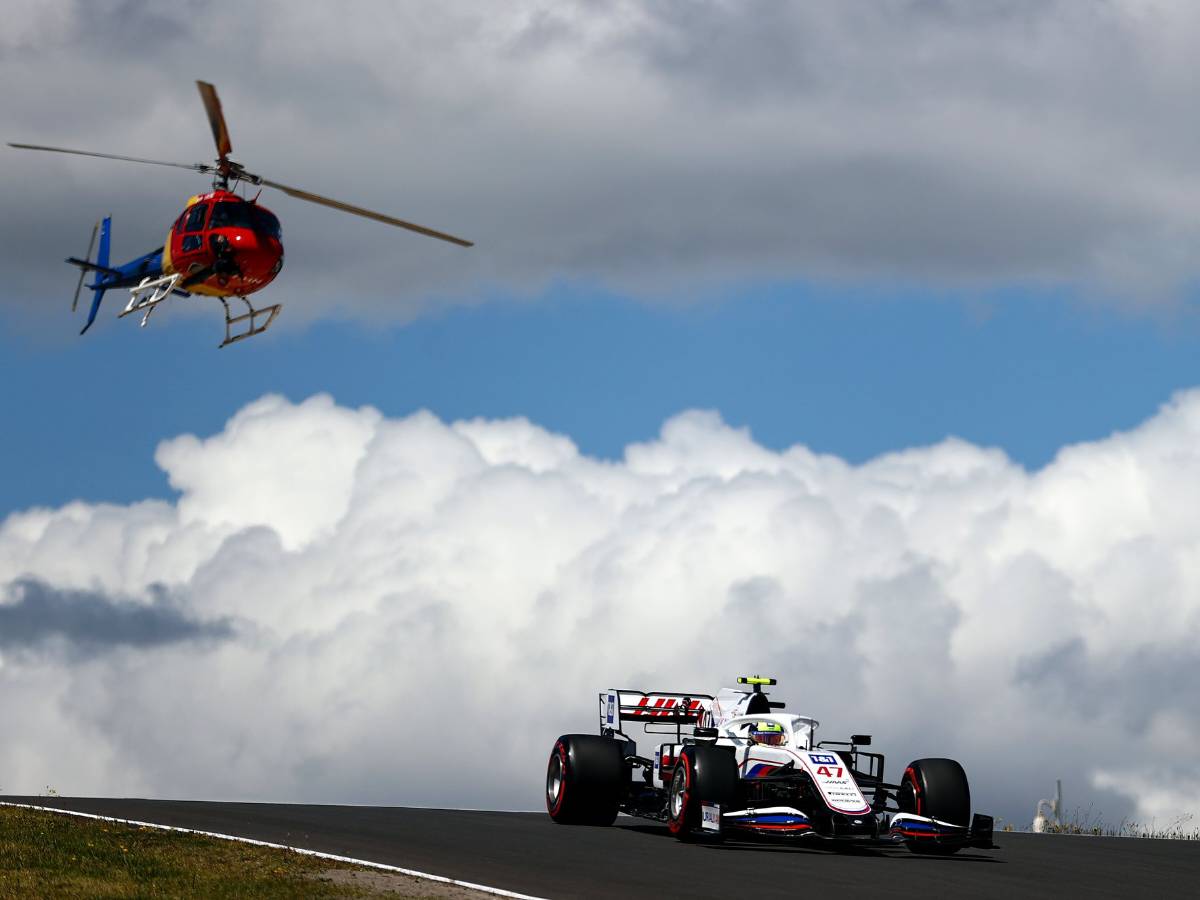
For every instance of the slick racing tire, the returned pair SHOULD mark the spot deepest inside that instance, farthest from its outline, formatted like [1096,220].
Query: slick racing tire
[584,778]
[703,774]
[936,788]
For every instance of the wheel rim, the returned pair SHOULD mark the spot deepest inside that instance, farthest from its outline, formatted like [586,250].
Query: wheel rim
[554,780]
[678,793]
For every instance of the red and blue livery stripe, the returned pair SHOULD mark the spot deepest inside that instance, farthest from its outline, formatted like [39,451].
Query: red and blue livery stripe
[772,822]
[761,769]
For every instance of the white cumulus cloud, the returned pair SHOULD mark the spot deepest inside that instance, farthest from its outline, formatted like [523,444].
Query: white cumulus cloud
[344,607]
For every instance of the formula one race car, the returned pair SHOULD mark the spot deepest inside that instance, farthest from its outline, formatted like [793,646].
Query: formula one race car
[736,766]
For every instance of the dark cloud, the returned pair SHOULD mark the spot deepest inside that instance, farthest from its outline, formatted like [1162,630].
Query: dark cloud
[663,150]
[39,616]
[1134,686]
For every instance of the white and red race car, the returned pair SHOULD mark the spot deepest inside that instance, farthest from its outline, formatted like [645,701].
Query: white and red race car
[734,764]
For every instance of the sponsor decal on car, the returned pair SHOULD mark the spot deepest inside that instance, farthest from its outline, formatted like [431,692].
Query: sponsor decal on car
[710,817]
[664,706]
[837,787]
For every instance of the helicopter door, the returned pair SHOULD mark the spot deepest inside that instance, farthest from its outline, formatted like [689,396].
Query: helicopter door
[188,239]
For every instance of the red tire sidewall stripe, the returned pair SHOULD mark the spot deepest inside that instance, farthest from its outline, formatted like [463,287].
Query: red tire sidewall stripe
[675,826]
[911,777]
[561,749]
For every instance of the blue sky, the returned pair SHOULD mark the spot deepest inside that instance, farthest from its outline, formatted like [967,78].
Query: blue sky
[612,167]
[850,373]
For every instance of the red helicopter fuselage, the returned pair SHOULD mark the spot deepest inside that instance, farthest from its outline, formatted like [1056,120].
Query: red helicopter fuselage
[223,245]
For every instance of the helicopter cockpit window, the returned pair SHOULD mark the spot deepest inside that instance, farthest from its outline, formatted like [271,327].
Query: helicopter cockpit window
[195,219]
[265,222]
[231,214]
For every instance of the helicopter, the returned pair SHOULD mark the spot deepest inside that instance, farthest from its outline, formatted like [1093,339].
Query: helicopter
[222,245]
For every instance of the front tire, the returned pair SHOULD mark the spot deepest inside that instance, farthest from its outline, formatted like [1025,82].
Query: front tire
[936,788]
[703,774]
[584,778]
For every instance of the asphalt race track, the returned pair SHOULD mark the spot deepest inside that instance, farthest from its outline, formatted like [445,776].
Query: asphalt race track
[527,853]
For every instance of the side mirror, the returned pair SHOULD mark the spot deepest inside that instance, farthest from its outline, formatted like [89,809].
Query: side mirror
[860,740]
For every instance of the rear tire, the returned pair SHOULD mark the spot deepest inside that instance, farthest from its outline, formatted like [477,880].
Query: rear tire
[584,779]
[703,774]
[936,788]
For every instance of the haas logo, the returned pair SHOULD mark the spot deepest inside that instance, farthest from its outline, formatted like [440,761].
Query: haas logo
[665,706]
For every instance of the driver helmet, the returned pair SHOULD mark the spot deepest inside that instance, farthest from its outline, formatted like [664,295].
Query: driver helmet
[770,733]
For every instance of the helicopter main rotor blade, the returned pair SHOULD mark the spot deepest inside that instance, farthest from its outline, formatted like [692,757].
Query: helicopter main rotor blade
[195,167]
[216,118]
[82,271]
[365,213]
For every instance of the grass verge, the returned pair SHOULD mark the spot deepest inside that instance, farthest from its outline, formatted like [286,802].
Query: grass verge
[49,855]
[1091,823]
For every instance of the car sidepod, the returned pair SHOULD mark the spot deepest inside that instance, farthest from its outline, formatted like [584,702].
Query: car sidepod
[814,794]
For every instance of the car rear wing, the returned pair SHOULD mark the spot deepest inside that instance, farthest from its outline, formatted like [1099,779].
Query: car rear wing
[659,712]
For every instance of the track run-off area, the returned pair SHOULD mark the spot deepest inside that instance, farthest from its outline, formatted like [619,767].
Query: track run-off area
[526,853]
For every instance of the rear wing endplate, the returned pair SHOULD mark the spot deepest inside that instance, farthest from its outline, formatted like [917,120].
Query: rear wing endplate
[620,707]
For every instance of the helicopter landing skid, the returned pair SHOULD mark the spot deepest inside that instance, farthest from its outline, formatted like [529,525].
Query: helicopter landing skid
[149,293]
[146,296]
[251,316]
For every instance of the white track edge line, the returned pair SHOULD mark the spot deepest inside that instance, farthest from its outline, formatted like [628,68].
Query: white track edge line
[487,889]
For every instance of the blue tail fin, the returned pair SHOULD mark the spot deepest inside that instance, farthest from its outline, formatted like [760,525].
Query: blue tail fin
[101,263]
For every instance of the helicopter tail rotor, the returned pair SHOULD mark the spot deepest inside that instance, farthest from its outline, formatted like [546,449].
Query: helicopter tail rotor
[100,267]
[82,271]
